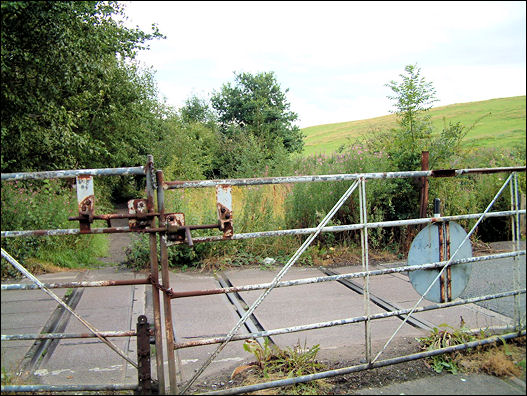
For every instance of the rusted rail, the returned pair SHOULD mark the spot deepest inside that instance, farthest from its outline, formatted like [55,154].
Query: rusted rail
[339,177]
[103,283]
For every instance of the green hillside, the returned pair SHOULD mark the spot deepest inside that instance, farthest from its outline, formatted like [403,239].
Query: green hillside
[505,126]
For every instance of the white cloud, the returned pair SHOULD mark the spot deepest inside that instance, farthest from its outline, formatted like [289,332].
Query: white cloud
[335,57]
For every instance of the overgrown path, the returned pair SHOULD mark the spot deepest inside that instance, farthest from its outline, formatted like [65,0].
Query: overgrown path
[117,243]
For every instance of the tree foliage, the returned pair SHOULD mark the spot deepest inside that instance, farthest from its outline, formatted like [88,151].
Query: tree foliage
[72,95]
[257,105]
[413,97]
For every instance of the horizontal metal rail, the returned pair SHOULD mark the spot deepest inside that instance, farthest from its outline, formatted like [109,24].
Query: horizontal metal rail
[320,279]
[350,227]
[68,285]
[335,177]
[340,322]
[76,231]
[51,336]
[250,235]
[65,174]
[67,388]
[386,305]
[366,366]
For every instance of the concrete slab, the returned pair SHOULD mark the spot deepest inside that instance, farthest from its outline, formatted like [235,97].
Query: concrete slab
[462,384]
[204,317]
[107,309]
[23,312]
[88,361]
[401,293]
[489,277]
[315,303]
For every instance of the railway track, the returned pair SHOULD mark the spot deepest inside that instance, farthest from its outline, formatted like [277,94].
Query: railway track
[56,323]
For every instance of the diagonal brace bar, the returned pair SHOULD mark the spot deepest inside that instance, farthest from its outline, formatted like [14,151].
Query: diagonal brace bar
[19,267]
[275,281]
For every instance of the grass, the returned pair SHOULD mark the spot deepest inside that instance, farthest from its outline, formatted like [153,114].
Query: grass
[502,359]
[503,126]
[273,363]
[81,255]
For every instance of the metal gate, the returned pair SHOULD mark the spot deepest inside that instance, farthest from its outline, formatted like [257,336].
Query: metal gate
[171,230]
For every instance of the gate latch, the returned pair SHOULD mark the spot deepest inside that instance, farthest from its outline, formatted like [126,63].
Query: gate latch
[176,229]
[138,208]
[224,207]
[86,202]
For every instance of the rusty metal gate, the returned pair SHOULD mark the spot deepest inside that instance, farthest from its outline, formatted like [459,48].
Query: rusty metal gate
[171,230]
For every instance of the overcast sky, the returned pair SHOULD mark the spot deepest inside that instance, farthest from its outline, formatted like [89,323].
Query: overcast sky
[336,57]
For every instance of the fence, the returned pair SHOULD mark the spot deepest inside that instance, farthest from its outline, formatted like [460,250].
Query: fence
[172,230]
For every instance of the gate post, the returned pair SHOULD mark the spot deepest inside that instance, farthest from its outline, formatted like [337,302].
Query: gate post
[169,329]
[154,275]
[145,385]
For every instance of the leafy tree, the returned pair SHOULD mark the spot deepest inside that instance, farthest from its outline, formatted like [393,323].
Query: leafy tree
[197,110]
[72,95]
[413,97]
[256,104]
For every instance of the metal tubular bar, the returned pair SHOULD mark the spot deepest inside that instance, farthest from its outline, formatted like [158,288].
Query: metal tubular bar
[111,216]
[67,388]
[306,281]
[64,174]
[362,367]
[144,375]
[348,227]
[340,322]
[365,267]
[334,177]
[423,198]
[298,231]
[277,278]
[447,264]
[76,231]
[379,301]
[515,205]
[46,336]
[19,267]
[154,276]
[169,330]
[68,285]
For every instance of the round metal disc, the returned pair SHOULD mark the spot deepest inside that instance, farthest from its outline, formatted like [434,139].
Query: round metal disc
[425,249]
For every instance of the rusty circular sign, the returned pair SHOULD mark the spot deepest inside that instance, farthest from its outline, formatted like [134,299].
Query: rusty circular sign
[437,242]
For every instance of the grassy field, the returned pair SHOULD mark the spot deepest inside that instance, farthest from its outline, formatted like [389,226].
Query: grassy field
[503,125]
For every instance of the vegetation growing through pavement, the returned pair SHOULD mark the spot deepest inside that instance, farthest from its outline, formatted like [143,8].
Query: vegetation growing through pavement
[501,359]
[274,363]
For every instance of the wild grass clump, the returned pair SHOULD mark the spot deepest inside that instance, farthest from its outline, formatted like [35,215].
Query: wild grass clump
[445,336]
[502,359]
[274,363]
[304,205]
